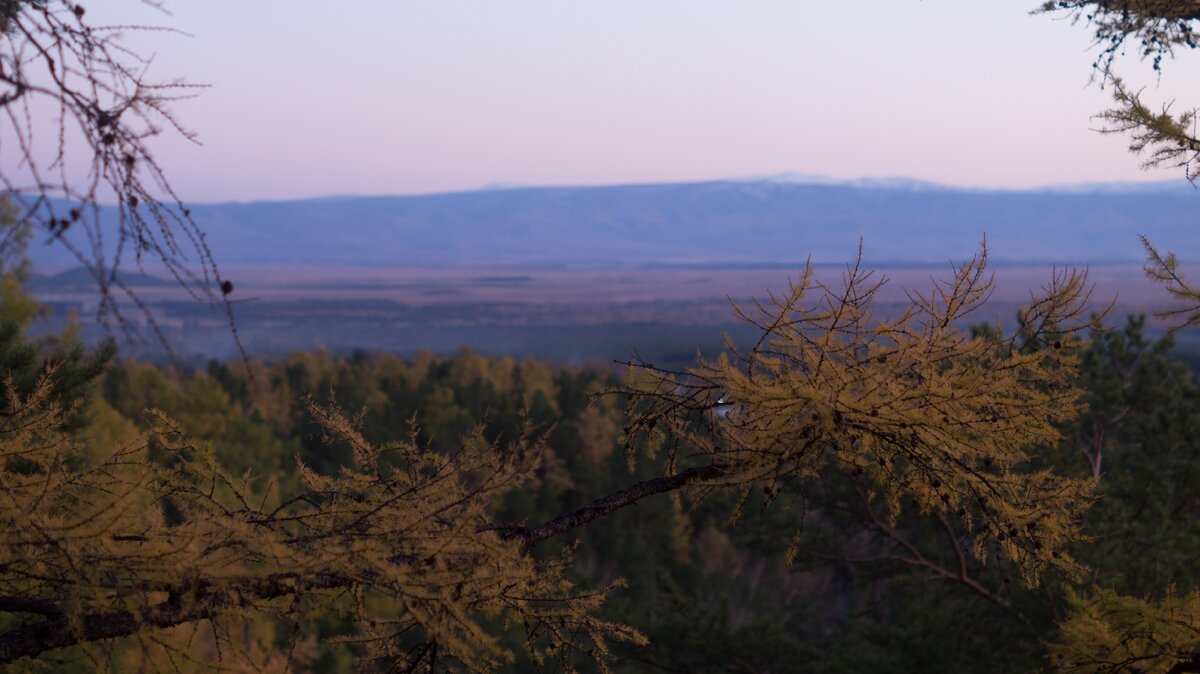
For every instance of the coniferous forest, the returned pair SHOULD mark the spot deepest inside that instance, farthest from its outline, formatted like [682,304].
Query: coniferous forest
[812,575]
[852,483]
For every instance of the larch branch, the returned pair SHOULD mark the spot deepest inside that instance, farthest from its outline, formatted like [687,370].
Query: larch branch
[614,501]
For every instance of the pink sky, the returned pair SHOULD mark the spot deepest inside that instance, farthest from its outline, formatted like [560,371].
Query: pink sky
[402,97]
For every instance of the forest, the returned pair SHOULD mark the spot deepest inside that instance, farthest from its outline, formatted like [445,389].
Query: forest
[851,485]
[816,573]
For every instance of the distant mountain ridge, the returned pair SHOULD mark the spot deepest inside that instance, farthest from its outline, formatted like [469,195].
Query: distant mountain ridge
[766,220]
[81,279]
[901,183]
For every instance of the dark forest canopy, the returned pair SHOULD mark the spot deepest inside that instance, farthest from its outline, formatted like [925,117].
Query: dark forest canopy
[864,592]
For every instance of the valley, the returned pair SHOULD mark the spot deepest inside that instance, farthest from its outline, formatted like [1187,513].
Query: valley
[560,313]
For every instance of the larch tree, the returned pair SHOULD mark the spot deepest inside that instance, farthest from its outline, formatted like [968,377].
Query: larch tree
[79,117]
[1155,30]
[1106,631]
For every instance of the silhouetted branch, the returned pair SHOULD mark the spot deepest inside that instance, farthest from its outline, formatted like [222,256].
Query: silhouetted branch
[603,506]
[87,177]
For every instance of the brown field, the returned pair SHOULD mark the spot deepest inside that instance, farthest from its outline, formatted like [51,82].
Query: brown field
[702,294]
[574,314]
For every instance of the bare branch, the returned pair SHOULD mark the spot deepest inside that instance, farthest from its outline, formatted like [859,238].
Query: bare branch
[88,179]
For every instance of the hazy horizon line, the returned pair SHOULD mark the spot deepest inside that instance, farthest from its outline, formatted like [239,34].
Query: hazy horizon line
[785,178]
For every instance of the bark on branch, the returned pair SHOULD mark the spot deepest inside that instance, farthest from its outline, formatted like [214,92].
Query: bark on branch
[1191,666]
[603,506]
[31,640]
[59,631]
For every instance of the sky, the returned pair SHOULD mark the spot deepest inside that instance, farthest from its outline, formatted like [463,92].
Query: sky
[306,98]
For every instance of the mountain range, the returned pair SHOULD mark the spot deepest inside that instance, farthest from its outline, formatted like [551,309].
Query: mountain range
[753,221]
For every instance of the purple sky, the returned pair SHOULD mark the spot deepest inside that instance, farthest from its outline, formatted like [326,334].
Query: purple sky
[399,97]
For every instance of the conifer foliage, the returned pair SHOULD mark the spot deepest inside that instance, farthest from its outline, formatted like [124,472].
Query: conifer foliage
[920,411]
[1154,30]
[1107,631]
[157,534]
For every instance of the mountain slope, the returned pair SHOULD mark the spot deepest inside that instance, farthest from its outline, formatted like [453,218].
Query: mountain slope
[725,222]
